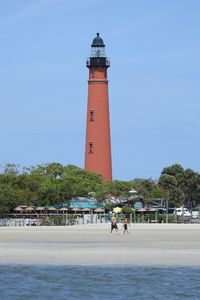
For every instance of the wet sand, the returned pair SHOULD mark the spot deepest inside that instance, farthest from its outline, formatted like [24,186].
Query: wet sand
[146,244]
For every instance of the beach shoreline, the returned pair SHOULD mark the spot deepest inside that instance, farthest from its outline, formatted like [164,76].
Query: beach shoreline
[146,244]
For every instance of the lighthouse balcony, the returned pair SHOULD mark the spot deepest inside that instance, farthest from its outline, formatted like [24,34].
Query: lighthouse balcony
[98,62]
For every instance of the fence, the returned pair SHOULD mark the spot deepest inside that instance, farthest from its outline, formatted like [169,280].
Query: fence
[79,219]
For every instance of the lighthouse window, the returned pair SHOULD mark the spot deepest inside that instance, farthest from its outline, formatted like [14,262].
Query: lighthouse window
[91,115]
[91,148]
[93,73]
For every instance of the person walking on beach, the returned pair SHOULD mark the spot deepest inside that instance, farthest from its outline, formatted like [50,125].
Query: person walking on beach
[125,225]
[113,225]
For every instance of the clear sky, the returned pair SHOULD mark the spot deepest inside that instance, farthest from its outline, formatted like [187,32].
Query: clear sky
[154,82]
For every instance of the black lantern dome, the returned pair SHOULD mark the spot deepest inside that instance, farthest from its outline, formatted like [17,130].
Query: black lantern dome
[97,41]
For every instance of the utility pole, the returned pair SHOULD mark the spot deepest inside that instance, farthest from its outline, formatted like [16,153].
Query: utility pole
[167,207]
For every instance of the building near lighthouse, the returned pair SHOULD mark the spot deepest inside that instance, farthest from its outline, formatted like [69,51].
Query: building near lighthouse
[98,142]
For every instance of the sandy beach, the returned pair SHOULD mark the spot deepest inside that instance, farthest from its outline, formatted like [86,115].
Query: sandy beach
[146,244]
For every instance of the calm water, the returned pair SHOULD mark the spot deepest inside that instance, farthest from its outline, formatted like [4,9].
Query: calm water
[92,282]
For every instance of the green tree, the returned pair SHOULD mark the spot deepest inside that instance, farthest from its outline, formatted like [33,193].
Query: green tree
[173,170]
[182,184]
[55,170]
[119,188]
[50,193]
[190,187]
[8,199]
[144,187]
[11,169]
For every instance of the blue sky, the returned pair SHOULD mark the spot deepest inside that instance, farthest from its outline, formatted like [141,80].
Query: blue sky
[154,89]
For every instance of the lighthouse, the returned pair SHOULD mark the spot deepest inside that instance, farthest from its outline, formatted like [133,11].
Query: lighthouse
[98,144]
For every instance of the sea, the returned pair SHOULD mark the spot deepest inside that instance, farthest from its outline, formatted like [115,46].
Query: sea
[24,282]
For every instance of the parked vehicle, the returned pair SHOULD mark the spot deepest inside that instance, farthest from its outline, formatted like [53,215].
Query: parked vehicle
[195,214]
[182,211]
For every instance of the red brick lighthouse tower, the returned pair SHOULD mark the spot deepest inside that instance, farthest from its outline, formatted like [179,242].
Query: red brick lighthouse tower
[98,146]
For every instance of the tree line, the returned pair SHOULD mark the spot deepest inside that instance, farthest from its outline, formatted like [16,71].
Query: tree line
[54,184]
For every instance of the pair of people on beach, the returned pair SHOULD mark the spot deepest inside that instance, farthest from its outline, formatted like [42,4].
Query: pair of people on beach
[114,225]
